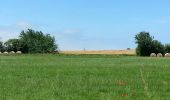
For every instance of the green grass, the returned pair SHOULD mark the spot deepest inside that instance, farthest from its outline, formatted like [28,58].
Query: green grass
[84,77]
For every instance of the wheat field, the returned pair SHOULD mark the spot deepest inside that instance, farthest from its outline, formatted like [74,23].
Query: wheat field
[129,52]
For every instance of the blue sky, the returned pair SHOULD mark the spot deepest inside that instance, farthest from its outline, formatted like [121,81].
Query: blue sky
[90,24]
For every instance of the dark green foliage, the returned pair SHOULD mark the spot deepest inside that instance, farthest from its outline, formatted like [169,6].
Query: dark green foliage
[144,41]
[36,42]
[12,45]
[1,47]
[30,41]
[157,47]
[147,44]
[167,48]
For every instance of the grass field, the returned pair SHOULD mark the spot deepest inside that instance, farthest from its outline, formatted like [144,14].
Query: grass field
[84,77]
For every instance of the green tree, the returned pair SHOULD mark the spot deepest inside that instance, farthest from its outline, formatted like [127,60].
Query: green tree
[37,42]
[167,48]
[12,45]
[1,46]
[157,47]
[144,41]
[147,45]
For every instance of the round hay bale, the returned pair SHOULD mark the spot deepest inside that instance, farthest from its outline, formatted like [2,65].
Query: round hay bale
[12,52]
[159,55]
[5,52]
[0,52]
[167,55]
[152,55]
[18,52]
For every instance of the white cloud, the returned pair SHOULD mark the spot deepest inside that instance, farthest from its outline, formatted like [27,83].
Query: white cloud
[23,25]
[13,30]
[71,31]
[7,34]
[67,33]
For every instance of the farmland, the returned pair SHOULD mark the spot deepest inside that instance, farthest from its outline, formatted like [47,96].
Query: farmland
[84,77]
[129,52]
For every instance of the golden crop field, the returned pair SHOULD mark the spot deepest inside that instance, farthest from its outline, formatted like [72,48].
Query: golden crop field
[130,52]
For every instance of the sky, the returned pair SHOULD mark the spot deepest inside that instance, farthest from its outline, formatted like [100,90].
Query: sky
[87,24]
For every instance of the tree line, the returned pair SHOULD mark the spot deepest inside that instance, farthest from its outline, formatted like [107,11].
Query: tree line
[30,41]
[146,44]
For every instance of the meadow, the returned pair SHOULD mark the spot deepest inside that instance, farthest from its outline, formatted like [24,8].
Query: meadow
[84,77]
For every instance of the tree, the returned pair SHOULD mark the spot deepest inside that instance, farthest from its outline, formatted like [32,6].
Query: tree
[12,45]
[167,48]
[147,44]
[157,47]
[36,42]
[1,46]
[144,41]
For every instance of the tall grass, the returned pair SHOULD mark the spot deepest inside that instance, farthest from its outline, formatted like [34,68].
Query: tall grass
[84,77]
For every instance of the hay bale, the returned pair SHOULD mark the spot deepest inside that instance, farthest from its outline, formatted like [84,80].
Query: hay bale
[18,52]
[167,55]
[0,52]
[12,52]
[5,52]
[152,55]
[159,55]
